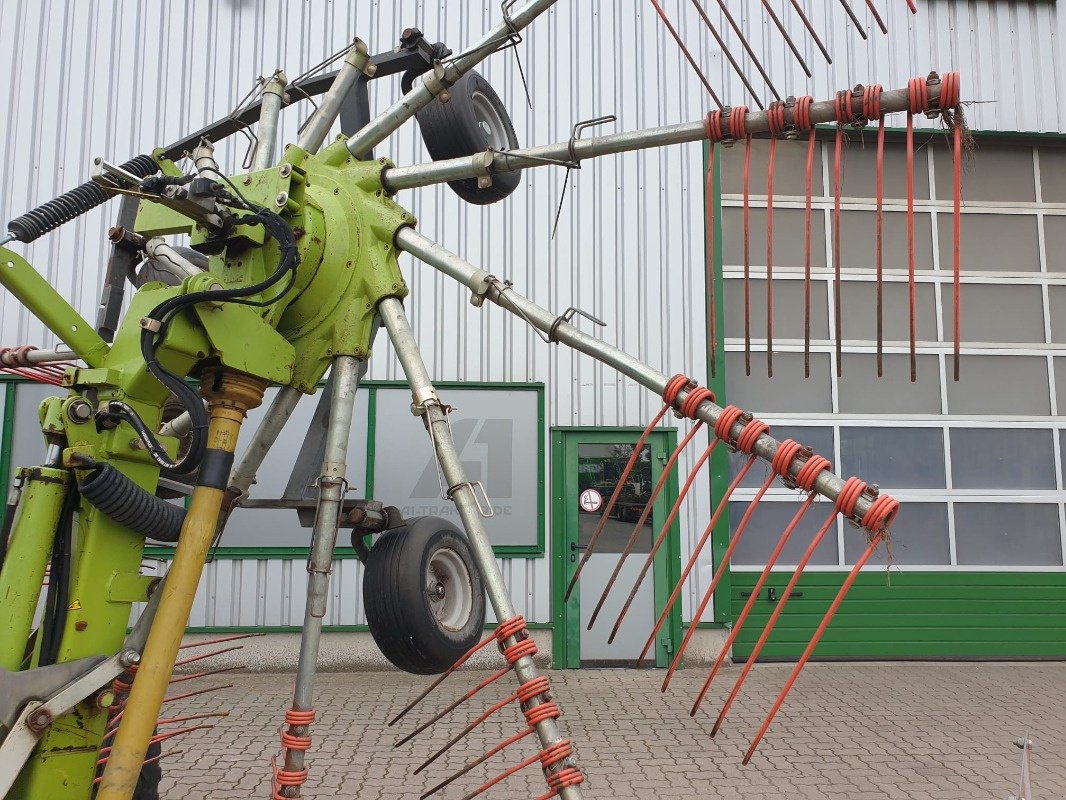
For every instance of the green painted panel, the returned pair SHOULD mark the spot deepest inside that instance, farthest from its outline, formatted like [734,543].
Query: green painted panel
[995,615]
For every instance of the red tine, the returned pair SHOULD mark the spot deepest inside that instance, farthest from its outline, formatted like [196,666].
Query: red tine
[618,488]
[810,29]
[747,256]
[688,55]
[480,719]
[913,6]
[202,656]
[788,39]
[722,505]
[454,705]
[877,16]
[662,536]
[874,542]
[712,331]
[220,640]
[750,663]
[837,169]
[725,50]
[639,527]
[193,676]
[880,241]
[855,20]
[770,250]
[739,623]
[478,761]
[803,105]
[747,48]
[707,595]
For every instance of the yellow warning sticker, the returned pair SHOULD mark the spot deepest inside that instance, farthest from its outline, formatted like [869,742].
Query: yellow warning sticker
[75,606]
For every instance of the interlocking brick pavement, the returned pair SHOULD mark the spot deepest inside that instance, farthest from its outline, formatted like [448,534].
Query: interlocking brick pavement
[851,731]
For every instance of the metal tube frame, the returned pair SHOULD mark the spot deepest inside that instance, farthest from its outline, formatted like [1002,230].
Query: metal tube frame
[562,153]
[486,286]
[444,75]
[267,130]
[426,403]
[333,485]
[314,132]
[264,438]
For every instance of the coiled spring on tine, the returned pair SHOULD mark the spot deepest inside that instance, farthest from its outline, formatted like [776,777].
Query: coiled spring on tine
[533,698]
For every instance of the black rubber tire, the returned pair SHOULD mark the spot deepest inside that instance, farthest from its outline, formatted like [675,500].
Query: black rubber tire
[398,609]
[452,130]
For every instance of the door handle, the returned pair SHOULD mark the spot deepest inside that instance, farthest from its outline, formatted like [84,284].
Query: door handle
[771,594]
[574,547]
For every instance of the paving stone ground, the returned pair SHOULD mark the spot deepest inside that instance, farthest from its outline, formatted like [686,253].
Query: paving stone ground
[854,731]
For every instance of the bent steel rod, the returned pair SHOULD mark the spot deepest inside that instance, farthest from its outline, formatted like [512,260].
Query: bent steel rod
[432,83]
[483,284]
[425,401]
[560,153]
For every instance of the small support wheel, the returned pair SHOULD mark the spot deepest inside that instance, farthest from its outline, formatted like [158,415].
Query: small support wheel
[473,120]
[423,595]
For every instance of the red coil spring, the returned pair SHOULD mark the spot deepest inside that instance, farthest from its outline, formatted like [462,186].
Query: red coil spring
[283,778]
[785,455]
[810,471]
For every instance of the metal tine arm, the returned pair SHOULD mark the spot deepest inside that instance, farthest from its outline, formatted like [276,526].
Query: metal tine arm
[481,283]
[443,75]
[411,177]
[220,640]
[453,705]
[477,762]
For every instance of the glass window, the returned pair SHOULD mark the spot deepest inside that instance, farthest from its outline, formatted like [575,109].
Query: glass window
[790,168]
[1057,307]
[860,391]
[599,466]
[28,445]
[894,458]
[1005,242]
[1054,238]
[788,309]
[1007,534]
[991,458]
[1003,173]
[858,231]
[761,395]
[766,525]
[858,308]
[997,313]
[789,233]
[919,536]
[860,169]
[1008,384]
[820,440]
[1052,166]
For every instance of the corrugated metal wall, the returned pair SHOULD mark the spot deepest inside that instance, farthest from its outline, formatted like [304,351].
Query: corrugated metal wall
[118,78]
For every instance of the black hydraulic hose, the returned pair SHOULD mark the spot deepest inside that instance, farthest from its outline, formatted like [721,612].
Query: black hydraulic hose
[54,619]
[70,205]
[131,506]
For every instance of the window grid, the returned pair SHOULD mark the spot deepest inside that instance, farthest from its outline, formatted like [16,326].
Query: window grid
[945,422]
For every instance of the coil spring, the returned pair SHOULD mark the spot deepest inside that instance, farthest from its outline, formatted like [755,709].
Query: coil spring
[49,216]
[128,504]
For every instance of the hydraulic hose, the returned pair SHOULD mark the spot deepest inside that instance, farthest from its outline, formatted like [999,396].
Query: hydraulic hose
[131,506]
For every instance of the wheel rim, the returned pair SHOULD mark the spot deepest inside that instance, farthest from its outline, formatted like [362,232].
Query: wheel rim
[448,589]
[490,122]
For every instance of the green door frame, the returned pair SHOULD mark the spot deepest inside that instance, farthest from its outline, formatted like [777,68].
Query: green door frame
[566,617]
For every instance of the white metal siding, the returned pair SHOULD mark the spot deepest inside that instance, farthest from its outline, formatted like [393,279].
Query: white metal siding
[118,78]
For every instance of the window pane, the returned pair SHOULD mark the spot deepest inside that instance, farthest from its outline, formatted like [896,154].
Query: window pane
[998,172]
[790,168]
[859,304]
[998,313]
[919,536]
[787,391]
[1054,238]
[894,458]
[1052,167]
[860,391]
[1000,385]
[860,169]
[1007,534]
[1057,307]
[987,458]
[858,231]
[992,241]
[789,228]
[769,521]
[28,445]
[788,309]
[818,439]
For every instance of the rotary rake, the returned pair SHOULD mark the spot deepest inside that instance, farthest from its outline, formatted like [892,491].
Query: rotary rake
[299,257]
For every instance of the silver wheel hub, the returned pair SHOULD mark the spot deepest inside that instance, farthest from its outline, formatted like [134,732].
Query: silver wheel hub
[448,589]
[490,122]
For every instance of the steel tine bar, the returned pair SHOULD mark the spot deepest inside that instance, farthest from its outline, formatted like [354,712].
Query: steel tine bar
[630,464]
[725,50]
[913,6]
[858,25]
[738,625]
[220,640]
[202,656]
[662,536]
[463,733]
[559,153]
[747,47]
[198,692]
[772,156]
[482,284]
[442,677]
[638,529]
[877,16]
[173,721]
[788,39]
[453,705]
[709,200]
[690,565]
[688,55]
[957,243]
[880,245]
[810,29]
[746,236]
[195,675]
[874,542]
[719,572]
[778,609]
[807,258]
[838,317]
[426,87]
[159,737]
[478,761]
[911,287]
[507,773]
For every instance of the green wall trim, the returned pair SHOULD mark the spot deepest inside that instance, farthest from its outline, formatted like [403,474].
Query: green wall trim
[936,615]
[7,438]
